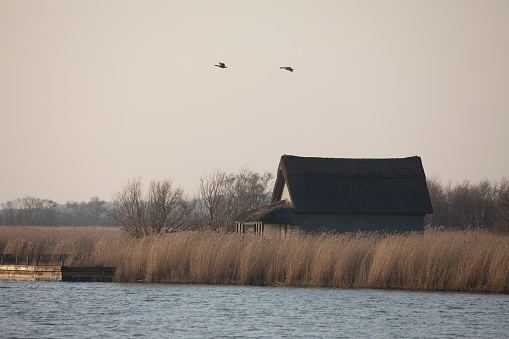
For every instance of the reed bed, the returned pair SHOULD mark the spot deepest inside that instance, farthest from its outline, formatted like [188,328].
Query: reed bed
[468,261]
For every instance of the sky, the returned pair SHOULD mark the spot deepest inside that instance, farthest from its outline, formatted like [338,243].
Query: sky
[96,92]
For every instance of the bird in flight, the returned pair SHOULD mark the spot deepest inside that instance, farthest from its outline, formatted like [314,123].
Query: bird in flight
[287,68]
[221,65]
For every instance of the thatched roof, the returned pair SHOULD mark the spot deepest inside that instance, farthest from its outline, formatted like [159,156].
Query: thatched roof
[352,186]
[279,212]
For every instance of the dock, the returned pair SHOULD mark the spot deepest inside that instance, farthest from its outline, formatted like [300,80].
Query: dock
[56,273]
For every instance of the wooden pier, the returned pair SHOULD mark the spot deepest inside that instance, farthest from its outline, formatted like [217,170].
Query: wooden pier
[56,273]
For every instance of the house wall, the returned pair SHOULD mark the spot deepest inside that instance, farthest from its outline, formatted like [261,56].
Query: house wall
[286,194]
[278,227]
[368,223]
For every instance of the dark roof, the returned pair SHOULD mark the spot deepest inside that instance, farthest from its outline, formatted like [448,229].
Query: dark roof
[339,185]
[279,212]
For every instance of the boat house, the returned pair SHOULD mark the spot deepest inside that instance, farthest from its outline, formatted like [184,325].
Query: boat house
[344,195]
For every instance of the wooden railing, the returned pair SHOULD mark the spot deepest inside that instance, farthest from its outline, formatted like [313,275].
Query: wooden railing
[35,260]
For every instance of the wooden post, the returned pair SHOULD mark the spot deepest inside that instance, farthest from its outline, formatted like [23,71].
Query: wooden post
[259,228]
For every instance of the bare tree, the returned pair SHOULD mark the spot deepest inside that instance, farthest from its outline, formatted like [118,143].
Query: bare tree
[226,195]
[163,209]
[215,192]
[91,213]
[439,202]
[73,214]
[482,204]
[96,211]
[8,214]
[501,223]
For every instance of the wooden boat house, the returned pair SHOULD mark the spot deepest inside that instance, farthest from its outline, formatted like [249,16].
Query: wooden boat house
[344,195]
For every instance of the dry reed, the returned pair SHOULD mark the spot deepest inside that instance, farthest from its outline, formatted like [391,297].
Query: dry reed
[469,261]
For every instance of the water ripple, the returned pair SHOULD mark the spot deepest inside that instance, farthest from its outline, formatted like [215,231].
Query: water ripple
[90,310]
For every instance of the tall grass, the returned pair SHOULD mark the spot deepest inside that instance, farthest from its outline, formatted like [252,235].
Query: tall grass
[470,261]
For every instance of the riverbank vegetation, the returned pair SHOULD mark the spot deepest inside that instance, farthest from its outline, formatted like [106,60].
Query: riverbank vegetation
[434,260]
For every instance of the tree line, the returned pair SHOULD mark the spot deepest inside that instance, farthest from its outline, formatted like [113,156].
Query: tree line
[160,207]
[33,211]
[165,207]
[469,205]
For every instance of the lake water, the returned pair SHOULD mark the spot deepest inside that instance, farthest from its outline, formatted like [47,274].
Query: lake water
[109,310]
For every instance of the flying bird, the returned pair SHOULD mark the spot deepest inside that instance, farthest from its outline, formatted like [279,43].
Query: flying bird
[221,65]
[287,68]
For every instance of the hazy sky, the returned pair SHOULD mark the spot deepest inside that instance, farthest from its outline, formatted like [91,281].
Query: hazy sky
[93,93]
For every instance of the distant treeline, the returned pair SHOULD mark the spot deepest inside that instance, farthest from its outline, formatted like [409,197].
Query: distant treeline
[32,211]
[164,208]
[466,205]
